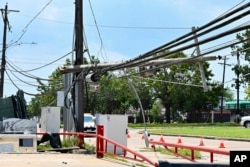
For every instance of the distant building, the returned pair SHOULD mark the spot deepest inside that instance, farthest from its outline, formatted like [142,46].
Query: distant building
[244,107]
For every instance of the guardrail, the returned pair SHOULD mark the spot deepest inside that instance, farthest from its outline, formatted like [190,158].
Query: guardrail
[192,148]
[102,148]
[102,144]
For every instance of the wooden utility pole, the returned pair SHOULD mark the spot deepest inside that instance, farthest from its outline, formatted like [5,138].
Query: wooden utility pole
[238,87]
[3,62]
[78,91]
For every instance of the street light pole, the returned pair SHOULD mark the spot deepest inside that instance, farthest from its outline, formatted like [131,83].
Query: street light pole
[141,108]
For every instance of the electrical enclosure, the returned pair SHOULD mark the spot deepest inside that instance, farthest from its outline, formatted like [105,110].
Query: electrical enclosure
[50,119]
[115,127]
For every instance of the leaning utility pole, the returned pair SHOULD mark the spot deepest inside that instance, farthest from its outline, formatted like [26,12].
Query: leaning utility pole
[203,78]
[3,62]
[78,91]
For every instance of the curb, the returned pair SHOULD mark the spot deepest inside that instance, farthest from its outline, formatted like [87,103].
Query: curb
[205,137]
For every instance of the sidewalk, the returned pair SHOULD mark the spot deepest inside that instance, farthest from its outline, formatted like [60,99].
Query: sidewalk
[135,142]
[57,160]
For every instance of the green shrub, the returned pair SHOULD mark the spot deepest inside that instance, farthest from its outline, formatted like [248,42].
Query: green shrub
[70,142]
[185,152]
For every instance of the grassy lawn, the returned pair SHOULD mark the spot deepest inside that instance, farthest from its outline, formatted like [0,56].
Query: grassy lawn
[218,130]
[224,132]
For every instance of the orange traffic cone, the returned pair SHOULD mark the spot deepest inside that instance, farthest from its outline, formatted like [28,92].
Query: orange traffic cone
[162,139]
[179,140]
[201,142]
[142,137]
[221,144]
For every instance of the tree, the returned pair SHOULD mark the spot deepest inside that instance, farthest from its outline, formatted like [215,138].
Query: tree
[116,96]
[247,91]
[48,92]
[111,98]
[156,111]
[243,50]
[178,90]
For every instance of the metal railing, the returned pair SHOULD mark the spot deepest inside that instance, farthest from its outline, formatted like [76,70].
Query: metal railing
[102,146]
[192,148]
[103,142]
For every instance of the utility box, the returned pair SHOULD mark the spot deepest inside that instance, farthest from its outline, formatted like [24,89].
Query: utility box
[18,126]
[18,143]
[50,119]
[115,127]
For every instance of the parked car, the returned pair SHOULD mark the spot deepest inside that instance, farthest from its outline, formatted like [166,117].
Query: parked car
[89,123]
[245,121]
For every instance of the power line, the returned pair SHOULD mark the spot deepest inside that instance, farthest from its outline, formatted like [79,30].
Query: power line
[183,39]
[139,27]
[222,15]
[28,83]
[26,27]
[38,68]
[35,62]
[27,74]
[177,83]
[132,62]
[117,26]
[18,44]
[31,94]
[97,28]
[10,83]
[13,83]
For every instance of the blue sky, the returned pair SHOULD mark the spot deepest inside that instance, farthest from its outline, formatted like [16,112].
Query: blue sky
[128,28]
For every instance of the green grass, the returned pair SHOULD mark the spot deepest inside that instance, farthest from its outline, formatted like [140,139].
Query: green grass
[160,125]
[69,142]
[111,156]
[224,132]
[44,147]
[218,130]
[185,152]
